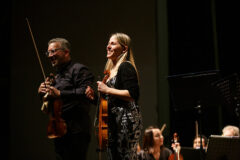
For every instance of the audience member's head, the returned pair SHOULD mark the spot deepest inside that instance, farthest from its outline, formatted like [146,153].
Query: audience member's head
[230,130]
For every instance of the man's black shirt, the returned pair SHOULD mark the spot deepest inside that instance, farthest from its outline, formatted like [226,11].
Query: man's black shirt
[72,81]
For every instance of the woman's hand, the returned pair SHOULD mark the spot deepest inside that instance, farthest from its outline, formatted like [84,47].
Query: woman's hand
[122,94]
[103,88]
[176,147]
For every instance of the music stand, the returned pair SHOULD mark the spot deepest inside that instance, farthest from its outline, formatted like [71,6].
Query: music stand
[190,153]
[193,91]
[223,148]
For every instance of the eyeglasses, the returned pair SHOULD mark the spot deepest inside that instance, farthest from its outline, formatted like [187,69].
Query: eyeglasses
[53,51]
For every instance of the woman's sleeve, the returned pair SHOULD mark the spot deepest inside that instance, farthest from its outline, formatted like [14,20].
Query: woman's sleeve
[128,79]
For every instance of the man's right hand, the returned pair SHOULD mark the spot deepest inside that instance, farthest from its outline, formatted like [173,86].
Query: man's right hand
[43,88]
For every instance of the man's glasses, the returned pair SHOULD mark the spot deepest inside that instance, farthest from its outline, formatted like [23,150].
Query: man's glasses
[53,51]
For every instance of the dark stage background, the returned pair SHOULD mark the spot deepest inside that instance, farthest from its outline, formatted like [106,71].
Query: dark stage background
[169,38]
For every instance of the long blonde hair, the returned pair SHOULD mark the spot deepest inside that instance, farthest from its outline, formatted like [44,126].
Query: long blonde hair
[124,40]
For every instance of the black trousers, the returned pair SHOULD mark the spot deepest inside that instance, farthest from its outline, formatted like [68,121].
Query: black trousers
[72,146]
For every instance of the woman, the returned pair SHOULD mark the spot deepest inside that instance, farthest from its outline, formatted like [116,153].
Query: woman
[122,92]
[153,148]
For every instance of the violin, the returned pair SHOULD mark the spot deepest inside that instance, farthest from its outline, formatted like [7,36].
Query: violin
[102,129]
[176,155]
[56,126]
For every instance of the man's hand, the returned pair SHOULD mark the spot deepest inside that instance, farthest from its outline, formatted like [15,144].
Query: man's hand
[43,87]
[89,93]
[53,92]
[46,88]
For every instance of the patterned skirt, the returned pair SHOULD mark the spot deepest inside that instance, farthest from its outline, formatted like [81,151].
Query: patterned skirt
[125,125]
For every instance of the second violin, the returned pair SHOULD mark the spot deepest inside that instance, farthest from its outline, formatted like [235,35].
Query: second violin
[176,147]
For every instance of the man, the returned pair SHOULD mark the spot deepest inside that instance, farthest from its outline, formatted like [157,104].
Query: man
[71,82]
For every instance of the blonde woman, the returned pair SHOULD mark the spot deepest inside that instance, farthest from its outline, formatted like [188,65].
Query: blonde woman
[122,92]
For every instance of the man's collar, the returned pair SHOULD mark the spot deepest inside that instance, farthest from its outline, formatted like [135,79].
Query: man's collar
[63,67]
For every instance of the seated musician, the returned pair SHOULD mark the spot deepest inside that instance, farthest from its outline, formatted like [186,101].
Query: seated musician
[230,130]
[153,147]
[197,142]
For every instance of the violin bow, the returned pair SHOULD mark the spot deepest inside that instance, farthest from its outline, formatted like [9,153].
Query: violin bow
[35,46]
[45,104]
[163,127]
[196,128]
